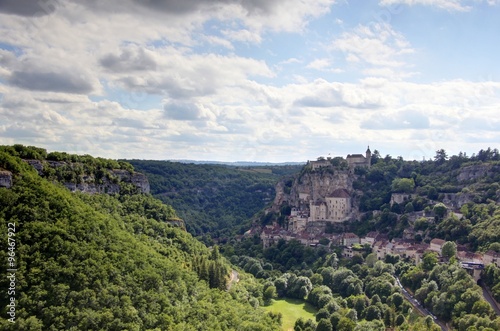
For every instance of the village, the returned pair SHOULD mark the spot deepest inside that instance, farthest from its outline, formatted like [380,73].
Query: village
[378,243]
[306,225]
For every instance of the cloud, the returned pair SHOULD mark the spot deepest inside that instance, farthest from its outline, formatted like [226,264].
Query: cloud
[376,47]
[319,64]
[450,5]
[181,76]
[27,8]
[130,58]
[41,80]
[401,120]
[322,93]
[182,111]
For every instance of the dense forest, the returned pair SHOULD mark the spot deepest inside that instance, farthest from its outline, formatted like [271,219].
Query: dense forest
[111,262]
[214,200]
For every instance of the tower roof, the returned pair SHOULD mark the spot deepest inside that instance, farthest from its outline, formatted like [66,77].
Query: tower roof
[368,149]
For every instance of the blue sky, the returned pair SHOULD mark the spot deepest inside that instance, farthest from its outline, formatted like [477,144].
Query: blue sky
[287,80]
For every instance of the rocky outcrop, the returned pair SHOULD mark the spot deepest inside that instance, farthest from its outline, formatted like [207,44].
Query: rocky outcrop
[473,172]
[139,180]
[5,178]
[400,197]
[312,185]
[109,181]
[457,200]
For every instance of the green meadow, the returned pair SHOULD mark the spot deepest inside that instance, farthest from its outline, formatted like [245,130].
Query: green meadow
[292,310]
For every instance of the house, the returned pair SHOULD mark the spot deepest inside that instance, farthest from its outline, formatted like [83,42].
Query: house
[380,248]
[437,245]
[270,235]
[349,252]
[348,239]
[370,238]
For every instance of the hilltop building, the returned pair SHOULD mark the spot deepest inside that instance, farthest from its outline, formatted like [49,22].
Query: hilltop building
[360,160]
[353,160]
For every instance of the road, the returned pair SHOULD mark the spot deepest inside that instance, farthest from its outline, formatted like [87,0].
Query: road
[419,307]
[489,299]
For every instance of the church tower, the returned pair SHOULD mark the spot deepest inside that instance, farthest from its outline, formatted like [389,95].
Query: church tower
[368,157]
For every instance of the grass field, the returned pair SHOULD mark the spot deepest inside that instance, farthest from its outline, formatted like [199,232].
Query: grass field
[292,310]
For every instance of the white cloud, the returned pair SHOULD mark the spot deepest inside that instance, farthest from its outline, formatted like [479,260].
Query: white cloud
[204,86]
[451,5]
[319,64]
[376,47]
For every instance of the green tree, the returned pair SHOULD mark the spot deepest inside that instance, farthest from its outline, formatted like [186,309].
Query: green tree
[440,210]
[403,185]
[270,293]
[346,324]
[429,260]
[449,250]
[324,325]
[440,156]
[409,208]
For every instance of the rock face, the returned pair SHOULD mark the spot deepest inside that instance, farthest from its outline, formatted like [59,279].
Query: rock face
[139,180]
[312,185]
[476,171]
[110,181]
[5,178]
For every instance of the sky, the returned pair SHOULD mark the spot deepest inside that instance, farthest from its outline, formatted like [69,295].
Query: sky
[250,80]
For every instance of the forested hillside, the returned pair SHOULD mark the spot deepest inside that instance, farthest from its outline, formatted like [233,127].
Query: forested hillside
[213,199]
[109,262]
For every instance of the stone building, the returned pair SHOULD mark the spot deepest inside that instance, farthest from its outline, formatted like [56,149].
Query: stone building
[335,207]
[359,160]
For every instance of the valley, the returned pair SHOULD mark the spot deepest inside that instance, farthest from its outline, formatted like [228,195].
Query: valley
[111,244]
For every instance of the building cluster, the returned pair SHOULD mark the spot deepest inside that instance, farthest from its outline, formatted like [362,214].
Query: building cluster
[336,207]
[353,161]
[304,225]
[379,244]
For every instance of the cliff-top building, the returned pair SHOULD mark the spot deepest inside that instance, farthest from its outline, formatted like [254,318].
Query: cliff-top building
[359,160]
[353,160]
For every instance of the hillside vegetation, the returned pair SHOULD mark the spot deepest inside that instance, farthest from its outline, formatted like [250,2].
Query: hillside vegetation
[217,200]
[111,262]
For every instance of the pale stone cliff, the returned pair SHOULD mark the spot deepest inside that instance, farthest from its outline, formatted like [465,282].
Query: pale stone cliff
[109,183]
[5,178]
[312,185]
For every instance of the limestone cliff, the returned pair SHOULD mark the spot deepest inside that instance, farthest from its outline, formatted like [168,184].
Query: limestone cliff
[476,171]
[313,185]
[5,178]
[76,178]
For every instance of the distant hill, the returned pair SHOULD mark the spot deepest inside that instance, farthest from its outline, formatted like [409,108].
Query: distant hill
[242,163]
